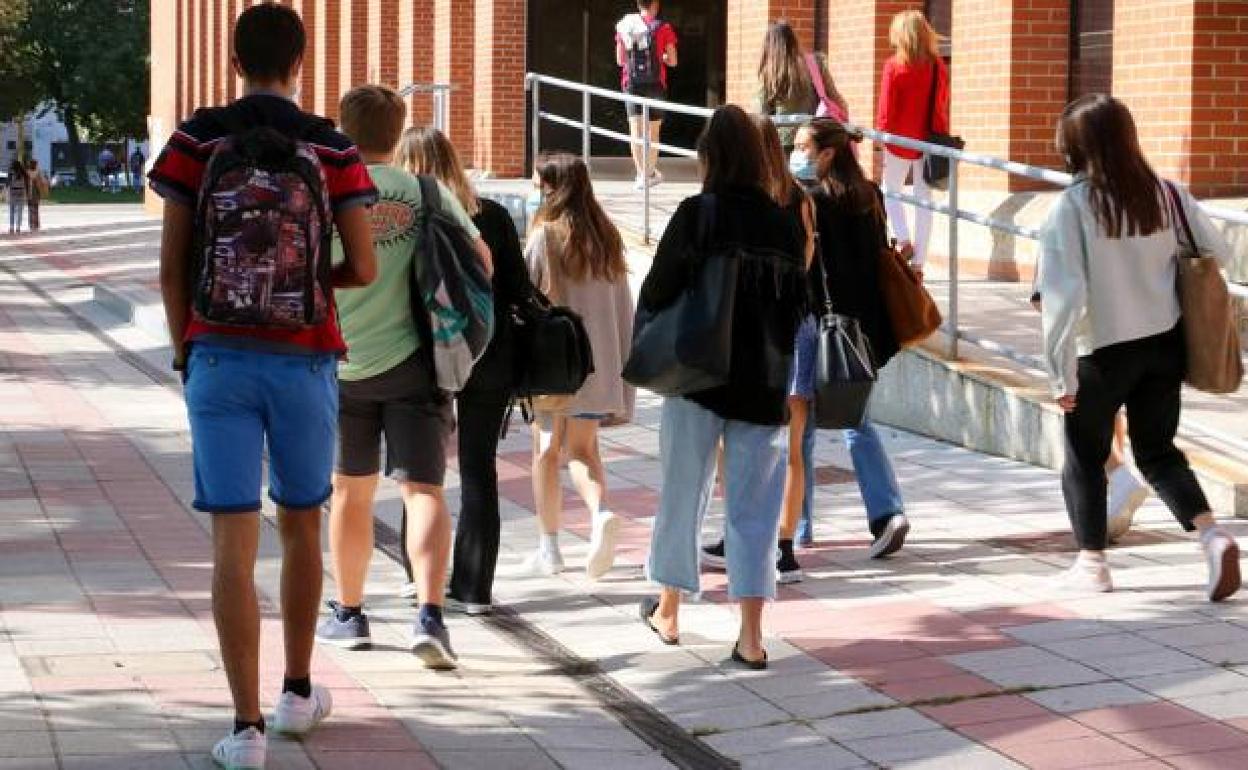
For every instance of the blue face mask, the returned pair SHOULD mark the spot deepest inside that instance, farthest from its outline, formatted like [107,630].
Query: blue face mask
[802,166]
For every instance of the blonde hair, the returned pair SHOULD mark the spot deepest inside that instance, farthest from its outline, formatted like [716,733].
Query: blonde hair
[425,150]
[913,38]
[372,116]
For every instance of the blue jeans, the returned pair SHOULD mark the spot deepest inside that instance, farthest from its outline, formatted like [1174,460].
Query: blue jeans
[877,482]
[754,467]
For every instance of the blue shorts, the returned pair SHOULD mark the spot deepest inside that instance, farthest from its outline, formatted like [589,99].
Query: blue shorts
[239,400]
[805,351]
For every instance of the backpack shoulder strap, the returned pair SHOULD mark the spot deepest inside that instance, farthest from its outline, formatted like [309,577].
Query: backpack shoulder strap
[430,195]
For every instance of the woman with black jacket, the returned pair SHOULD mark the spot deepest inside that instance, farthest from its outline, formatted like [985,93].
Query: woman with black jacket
[849,215]
[481,406]
[733,218]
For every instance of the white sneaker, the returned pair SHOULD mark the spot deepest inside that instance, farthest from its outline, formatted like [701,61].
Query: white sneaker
[656,178]
[1222,554]
[1086,576]
[295,715]
[639,182]
[472,609]
[408,591]
[606,531]
[1126,494]
[241,751]
[544,563]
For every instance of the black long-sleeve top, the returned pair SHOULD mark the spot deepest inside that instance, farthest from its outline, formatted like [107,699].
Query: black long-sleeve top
[769,302]
[511,286]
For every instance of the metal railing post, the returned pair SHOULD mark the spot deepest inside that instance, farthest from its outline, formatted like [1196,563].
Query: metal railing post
[439,110]
[645,182]
[953,258]
[536,85]
[585,132]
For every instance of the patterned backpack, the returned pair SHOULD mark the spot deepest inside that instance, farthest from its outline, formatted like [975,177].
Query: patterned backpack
[264,229]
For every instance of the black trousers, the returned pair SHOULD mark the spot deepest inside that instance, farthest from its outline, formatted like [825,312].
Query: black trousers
[1146,376]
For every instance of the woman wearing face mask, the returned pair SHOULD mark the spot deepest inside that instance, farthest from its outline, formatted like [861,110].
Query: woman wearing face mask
[851,225]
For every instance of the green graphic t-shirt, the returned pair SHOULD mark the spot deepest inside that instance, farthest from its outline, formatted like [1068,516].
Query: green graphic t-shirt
[377,319]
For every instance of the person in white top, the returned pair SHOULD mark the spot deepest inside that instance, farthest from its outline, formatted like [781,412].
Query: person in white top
[1112,334]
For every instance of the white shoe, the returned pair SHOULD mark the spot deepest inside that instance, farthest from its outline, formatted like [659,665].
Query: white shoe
[241,751]
[544,563]
[1126,494]
[295,715]
[606,530]
[472,609]
[408,591]
[1086,576]
[1222,554]
[639,183]
[655,179]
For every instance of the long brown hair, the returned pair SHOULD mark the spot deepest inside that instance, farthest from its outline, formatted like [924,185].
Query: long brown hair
[778,181]
[836,166]
[730,151]
[781,71]
[913,38]
[427,151]
[592,246]
[1096,135]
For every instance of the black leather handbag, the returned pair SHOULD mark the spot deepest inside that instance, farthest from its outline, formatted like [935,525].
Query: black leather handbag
[686,347]
[553,356]
[844,374]
[936,168]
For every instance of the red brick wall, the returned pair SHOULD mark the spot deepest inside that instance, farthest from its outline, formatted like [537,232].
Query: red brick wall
[453,59]
[383,42]
[415,61]
[326,71]
[498,98]
[353,45]
[747,23]
[307,10]
[1219,119]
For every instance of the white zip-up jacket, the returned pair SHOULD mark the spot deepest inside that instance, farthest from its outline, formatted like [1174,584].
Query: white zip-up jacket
[1098,291]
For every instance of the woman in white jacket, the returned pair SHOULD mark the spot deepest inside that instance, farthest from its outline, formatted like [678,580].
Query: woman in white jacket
[1112,334]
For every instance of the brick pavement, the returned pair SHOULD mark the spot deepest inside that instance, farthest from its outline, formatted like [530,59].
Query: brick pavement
[955,654]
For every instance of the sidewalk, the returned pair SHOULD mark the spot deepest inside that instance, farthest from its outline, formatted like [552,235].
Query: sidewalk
[955,654]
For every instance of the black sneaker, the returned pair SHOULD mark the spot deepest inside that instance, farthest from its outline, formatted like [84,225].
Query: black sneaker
[348,630]
[713,556]
[431,642]
[787,569]
[891,537]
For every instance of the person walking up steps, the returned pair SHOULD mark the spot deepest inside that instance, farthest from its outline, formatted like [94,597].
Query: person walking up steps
[576,257]
[482,405]
[1112,333]
[389,389]
[645,46]
[259,184]
[909,108]
[788,84]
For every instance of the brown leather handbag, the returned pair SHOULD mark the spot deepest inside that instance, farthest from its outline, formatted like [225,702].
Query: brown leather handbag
[1210,328]
[911,309]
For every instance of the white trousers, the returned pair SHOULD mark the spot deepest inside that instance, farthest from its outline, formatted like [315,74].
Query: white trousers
[895,171]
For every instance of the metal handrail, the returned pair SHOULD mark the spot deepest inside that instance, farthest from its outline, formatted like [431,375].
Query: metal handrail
[441,93]
[950,208]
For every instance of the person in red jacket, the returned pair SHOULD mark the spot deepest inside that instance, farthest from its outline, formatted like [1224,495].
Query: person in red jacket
[907,109]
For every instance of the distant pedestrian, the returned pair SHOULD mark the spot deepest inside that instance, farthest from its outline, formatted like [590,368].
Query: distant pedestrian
[19,195]
[914,101]
[645,46]
[37,187]
[259,351]
[106,166]
[1112,332]
[137,161]
[734,218]
[792,82]
[481,407]
[576,257]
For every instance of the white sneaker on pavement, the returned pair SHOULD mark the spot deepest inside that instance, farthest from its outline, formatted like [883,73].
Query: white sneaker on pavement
[656,178]
[1222,554]
[1126,494]
[544,563]
[602,539]
[241,751]
[639,183]
[1086,576]
[295,715]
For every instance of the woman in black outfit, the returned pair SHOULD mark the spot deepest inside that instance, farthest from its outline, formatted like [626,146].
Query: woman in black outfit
[481,406]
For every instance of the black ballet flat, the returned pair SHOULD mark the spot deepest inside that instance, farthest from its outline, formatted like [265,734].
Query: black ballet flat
[753,665]
[647,609]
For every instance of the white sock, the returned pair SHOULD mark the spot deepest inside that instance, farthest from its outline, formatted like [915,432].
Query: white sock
[548,543]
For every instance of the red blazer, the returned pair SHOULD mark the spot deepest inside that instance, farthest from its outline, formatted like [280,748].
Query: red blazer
[904,95]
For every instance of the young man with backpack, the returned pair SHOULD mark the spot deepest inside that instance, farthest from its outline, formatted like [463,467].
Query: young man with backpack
[645,46]
[390,387]
[252,194]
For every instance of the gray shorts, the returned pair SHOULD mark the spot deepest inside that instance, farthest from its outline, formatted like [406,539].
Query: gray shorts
[405,406]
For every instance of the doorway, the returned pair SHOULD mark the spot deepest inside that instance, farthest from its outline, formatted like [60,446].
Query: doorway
[574,39]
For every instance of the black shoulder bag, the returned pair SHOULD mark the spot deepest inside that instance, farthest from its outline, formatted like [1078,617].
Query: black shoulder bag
[936,168]
[844,374]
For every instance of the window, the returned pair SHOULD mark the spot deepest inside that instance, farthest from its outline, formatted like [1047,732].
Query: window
[940,15]
[1091,47]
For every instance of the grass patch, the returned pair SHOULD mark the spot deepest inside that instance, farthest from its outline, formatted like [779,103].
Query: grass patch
[71,195]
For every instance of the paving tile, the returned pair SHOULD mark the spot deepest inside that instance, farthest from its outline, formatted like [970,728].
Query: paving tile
[596,739]
[724,718]
[980,710]
[972,758]
[1095,751]
[1184,684]
[874,724]
[102,742]
[604,760]
[1060,674]
[1186,739]
[761,740]
[889,750]
[965,685]
[1089,696]
[825,757]
[1095,648]
[146,761]
[1221,705]
[834,701]
[1148,664]
[1137,717]
[32,744]
[1059,630]
[1044,729]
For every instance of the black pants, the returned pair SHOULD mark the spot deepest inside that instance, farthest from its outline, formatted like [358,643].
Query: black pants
[1146,376]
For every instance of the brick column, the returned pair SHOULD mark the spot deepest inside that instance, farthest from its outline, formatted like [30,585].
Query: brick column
[1011,60]
[1182,68]
[185,70]
[415,62]
[198,71]
[454,27]
[498,96]
[325,62]
[307,10]
[353,42]
[747,23]
[383,42]
[166,81]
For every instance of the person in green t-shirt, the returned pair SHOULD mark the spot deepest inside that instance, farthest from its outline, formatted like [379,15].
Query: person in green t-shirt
[386,389]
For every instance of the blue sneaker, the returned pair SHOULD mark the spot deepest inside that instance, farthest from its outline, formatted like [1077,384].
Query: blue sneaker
[431,642]
[346,630]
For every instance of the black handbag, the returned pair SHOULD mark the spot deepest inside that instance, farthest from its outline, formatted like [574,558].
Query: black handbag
[553,356]
[844,374]
[686,347]
[936,168]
